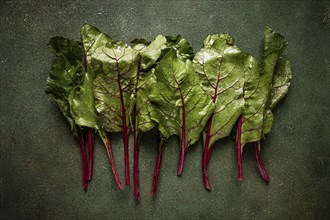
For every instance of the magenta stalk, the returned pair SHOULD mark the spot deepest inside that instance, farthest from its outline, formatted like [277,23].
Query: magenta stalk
[261,167]
[112,162]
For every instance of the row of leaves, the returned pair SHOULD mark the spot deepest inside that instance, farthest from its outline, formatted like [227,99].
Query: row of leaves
[102,85]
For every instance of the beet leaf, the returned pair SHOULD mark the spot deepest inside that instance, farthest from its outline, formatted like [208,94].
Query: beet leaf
[116,66]
[181,106]
[66,73]
[81,100]
[221,65]
[280,87]
[93,39]
[149,54]
[261,94]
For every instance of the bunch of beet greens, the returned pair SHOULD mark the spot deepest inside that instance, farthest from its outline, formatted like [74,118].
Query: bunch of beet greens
[104,86]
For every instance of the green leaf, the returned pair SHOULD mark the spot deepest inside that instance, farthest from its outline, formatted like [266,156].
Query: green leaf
[182,47]
[280,87]
[281,81]
[81,100]
[220,65]
[93,39]
[115,66]
[65,74]
[143,105]
[181,106]
[257,89]
[70,49]
[150,53]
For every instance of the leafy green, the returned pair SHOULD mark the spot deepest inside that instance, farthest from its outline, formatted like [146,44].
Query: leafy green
[280,87]
[92,39]
[149,52]
[81,100]
[181,106]
[63,85]
[65,74]
[220,65]
[109,86]
[257,96]
[115,65]
[261,94]
[116,68]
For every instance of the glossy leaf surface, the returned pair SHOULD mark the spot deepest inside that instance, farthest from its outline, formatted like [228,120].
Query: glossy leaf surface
[181,106]
[81,101]
[150,53]
[115,65]
[221,66]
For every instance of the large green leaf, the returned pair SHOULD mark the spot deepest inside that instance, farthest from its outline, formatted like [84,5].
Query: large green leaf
[258,87]
[220,65]
[66,73]
[115,65]
[149,54]
[92,39]
[181,106]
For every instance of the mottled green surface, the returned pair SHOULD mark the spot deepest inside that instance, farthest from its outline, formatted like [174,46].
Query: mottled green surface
[40,161]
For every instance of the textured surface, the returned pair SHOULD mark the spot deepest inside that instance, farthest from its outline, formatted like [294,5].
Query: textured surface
[40,161]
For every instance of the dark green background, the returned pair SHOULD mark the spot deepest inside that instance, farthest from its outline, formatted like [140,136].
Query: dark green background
[40,160]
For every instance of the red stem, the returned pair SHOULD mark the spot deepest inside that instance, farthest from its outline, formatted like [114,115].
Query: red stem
[183,133]
[136,160]
[206,154]
[136,143]
[259,163]
[83,161]
[208,150]
[209,156]
[239,148]
[112,162]
[90,154]
[125,131]
[157,169]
